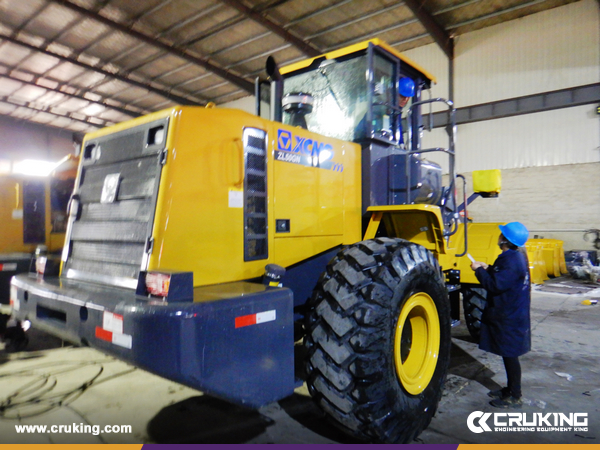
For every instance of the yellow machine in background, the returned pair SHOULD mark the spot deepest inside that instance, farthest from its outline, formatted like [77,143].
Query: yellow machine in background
[546,259]
[33,212]
[202,243]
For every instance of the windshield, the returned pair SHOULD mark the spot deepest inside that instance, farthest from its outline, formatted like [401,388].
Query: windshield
[340,103]
[340,95]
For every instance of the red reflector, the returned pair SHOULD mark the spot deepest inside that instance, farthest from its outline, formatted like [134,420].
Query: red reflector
[253,319]
[101,333]
[244,321]
[158,284]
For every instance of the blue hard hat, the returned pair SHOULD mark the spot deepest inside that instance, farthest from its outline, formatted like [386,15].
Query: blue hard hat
[406,87]
[515,232]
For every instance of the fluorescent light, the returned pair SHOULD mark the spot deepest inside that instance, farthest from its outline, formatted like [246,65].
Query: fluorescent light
[33,167]
[93,110]
[5,166]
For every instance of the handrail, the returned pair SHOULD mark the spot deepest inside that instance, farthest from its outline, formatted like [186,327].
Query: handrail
[466,217]
[450,151]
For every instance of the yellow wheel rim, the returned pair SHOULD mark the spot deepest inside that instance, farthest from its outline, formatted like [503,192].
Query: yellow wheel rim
[417,343]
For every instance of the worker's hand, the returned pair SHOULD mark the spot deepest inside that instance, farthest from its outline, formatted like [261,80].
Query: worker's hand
[478,264]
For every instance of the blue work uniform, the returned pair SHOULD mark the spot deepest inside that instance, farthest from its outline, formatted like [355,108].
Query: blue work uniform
[505,324]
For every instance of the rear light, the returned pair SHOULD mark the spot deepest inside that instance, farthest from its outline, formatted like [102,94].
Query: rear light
[46,264]
[168,286]
[40,264]
[14,300]
[158,284]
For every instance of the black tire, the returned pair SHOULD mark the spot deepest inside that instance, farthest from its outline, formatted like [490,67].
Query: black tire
[350,342]
[3,321]
[16,339]
[474,302]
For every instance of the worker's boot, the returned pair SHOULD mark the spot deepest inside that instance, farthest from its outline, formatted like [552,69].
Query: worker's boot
[507,402]
[500,393]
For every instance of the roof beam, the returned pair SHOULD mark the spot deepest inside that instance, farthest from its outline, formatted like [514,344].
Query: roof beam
[49,110]
[494,14]
[181,53]
[79,97]
[116,76]
[356,20]
[300,44]
[528,104]
[439,34]
[312,14]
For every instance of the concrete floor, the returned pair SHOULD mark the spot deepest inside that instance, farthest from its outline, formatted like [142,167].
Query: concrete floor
[55,385]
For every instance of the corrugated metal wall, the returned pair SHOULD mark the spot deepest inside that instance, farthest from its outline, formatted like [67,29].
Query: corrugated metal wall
[554,49]
[563,136]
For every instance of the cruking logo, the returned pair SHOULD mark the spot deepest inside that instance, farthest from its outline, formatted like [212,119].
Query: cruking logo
[479,422]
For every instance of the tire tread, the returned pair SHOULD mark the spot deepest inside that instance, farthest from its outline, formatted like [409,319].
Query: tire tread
[350,318]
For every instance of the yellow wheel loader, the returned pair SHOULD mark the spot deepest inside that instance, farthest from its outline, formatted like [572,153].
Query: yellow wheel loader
[203,243]
[32,214]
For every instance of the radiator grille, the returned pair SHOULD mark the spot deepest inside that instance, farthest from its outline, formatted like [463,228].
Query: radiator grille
[108,239]
[255,195]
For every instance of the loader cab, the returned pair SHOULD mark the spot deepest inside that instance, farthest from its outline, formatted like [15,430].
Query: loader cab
[352,94]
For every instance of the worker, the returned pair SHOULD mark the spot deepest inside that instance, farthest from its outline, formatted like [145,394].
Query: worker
[406,90]
[505,324]
[381,124]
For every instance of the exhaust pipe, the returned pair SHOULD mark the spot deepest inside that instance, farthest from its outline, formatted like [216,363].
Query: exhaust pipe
[276,89]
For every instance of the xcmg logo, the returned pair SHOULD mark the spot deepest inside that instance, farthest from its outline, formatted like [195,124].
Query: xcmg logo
[308,152]
[479,422]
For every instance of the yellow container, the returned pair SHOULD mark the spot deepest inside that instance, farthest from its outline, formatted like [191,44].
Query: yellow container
[537,265]
[546,258]
[487,181]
